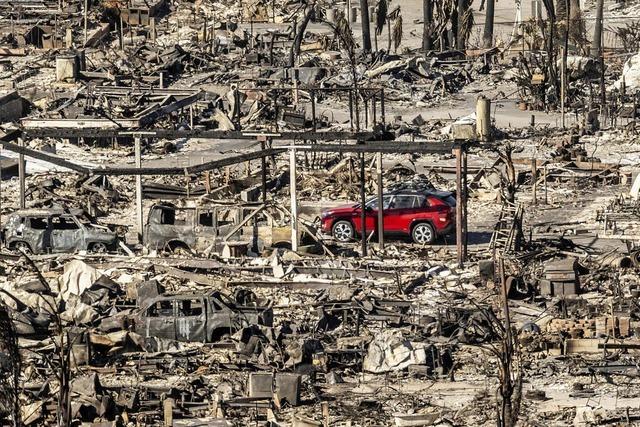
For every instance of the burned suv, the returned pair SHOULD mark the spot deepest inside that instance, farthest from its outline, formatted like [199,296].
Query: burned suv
[55,230]
[193,317]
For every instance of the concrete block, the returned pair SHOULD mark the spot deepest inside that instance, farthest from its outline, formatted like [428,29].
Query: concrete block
[261,385]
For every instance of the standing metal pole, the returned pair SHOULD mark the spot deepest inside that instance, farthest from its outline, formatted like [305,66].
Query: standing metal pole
[294,199]
[22,166]
[380,201]
[139,215]
[465,199]
[563,84]
[363,213]
[459,208]
[263,165]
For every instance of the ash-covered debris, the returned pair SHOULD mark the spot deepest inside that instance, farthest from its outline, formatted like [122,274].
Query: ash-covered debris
[314,213]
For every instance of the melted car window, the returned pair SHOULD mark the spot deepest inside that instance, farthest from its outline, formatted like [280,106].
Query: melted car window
[63,223]
[206,219]
[187,308]
[173,216]
[161,309]
[38,223]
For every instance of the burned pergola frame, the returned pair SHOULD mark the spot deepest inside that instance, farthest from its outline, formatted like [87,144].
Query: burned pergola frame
[365,142]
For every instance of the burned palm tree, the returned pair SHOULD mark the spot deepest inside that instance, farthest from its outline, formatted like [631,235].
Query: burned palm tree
[397,32]
[382,8]
[309,13]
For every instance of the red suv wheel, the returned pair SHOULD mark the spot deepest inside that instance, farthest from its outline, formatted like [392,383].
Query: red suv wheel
[343,231]
[423,234]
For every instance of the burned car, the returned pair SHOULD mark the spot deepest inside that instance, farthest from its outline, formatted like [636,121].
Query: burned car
[198,317]
[55,230]
[212,225]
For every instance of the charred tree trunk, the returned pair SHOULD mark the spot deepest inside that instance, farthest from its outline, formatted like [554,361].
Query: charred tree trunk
[427,36]
[488,23]
[596,46]
[297,42]
[460,37]
[366,31]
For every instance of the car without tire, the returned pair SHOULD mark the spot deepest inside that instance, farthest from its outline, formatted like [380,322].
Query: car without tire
[41,231]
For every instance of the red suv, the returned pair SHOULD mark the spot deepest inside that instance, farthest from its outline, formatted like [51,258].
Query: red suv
[423,215]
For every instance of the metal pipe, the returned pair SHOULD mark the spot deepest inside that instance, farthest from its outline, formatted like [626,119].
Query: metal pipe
[459,208]
[21,175]
[294,199]
[363,216]
[139,214]
[380,201]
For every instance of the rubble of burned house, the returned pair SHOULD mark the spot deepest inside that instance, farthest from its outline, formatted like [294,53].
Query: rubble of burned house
[313,213]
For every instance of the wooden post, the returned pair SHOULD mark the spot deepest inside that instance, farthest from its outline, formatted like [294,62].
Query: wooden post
[294,199]
[459,208]
[325,414]
[534,180]
[152,28]
[207,181]
[69,38]
[380,201]
[167,407]
[22,166]
[139,214]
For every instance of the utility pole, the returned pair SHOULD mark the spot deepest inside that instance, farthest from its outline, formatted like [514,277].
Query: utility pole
[366,31]
[488,23]
[427,39]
